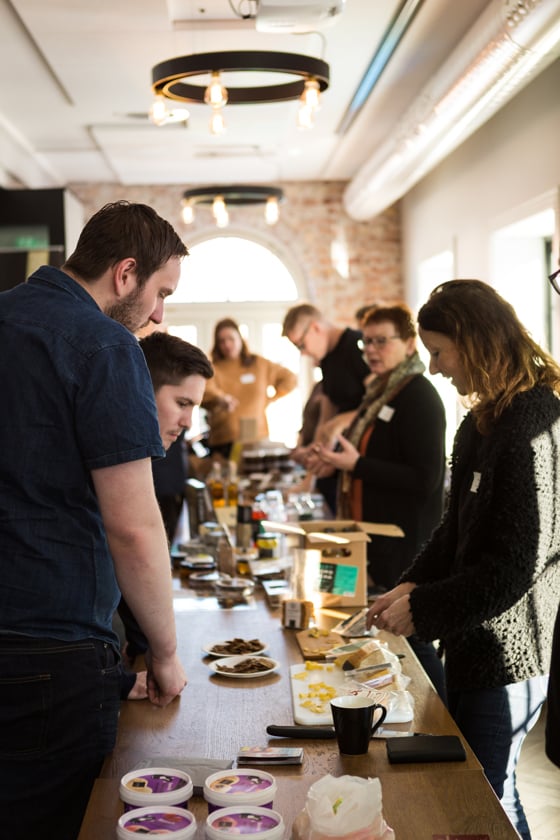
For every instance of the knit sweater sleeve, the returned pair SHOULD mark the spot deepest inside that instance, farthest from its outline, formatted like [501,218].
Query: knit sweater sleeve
[470,574]
[281,379]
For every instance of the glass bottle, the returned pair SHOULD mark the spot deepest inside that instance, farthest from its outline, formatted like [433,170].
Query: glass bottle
[216,485]
[232,485]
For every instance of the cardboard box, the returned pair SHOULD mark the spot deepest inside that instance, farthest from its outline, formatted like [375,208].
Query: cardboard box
[343,564]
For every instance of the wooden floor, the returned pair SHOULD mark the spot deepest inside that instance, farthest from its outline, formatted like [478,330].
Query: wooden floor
[538,781]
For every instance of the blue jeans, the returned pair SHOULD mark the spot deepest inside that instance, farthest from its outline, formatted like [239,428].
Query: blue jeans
[495,722]
[58,720]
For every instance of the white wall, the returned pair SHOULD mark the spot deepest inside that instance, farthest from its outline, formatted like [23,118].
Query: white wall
[511,161]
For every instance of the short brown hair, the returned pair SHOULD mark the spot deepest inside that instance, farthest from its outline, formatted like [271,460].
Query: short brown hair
[399,314]
[294,315]
[120,230]
[170,359]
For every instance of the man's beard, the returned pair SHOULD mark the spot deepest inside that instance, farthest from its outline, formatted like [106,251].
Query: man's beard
[128,311]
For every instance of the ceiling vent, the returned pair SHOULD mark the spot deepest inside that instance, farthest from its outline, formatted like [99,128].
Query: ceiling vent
[296,15]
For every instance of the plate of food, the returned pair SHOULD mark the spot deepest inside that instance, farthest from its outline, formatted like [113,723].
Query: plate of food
[244,667]
[235,647]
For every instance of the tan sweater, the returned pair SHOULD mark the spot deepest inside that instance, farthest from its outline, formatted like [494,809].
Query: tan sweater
[248,384]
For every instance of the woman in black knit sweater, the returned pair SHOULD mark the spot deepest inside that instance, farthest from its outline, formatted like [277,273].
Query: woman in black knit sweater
[487,584]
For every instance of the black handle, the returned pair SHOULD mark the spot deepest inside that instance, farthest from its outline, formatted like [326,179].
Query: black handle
[300,731]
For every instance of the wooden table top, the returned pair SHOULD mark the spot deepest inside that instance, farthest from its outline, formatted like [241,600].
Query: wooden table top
[216,715]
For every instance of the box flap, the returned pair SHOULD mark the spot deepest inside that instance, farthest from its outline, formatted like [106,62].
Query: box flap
[382,529]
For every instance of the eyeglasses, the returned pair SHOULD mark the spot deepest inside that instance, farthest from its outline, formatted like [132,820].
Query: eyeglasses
[555,281]
[300,345]
[380,342]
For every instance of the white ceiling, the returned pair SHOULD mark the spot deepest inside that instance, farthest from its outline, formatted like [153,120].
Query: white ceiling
[76,90]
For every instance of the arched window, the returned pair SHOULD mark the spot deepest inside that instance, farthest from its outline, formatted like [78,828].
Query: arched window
[232,276]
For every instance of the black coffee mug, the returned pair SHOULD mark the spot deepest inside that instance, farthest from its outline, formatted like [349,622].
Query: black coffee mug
[355,721]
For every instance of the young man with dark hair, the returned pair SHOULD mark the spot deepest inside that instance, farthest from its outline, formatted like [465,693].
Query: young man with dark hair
[79,520]
[179,372]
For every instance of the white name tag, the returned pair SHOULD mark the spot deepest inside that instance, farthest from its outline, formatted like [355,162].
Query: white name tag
[475,482]
[247,378]
[386,413]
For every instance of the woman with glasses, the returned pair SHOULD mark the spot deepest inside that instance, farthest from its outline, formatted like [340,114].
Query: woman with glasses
[392,456]
[487,584]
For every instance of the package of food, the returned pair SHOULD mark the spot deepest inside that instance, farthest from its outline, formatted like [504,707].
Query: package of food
[343,807]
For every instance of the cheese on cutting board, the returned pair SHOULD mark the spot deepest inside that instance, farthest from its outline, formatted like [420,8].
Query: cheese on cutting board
[314,684]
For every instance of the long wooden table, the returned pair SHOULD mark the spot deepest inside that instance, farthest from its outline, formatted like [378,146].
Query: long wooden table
[216,715]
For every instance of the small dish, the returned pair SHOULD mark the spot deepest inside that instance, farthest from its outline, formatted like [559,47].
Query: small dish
[232,587]
[209,649]
[235,661]
[203,578]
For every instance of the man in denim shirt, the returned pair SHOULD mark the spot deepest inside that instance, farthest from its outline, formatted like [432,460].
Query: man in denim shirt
[78,515]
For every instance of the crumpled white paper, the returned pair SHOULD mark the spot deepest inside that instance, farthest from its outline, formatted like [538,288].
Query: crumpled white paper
[346,806]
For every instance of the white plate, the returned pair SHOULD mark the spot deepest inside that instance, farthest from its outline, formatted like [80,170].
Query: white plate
[209,652]
[234,660]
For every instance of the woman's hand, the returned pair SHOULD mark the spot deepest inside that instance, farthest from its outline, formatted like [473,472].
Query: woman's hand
[315,464]
[391,611]
[230,402]
[343,460]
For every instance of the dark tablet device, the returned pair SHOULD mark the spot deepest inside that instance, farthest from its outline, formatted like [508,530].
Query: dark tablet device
[423,748]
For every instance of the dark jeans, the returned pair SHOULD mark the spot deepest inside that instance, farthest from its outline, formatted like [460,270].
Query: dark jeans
[495,722]
[431,663]
[58,720]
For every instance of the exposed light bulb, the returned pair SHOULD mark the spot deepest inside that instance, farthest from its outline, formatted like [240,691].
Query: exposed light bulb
[217,125]
[158,111]
[215,94]
[305,117]
[222,220]
[187,213]
[310,97]
[218,206]
[271,210]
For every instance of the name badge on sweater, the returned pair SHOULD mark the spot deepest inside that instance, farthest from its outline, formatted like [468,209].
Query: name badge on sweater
[386,413]
[475,482]
[247,378]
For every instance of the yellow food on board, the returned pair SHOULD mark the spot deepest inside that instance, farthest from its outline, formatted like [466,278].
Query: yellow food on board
[317,697]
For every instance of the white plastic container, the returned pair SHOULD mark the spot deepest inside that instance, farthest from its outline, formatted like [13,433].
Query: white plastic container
[240,786]
[155,786]
[156,820]
[261,823]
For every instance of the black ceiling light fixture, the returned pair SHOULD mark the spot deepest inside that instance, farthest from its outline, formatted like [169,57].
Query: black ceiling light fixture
[220,197]
[312,76]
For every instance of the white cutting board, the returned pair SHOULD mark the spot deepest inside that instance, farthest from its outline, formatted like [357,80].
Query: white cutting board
[322,672]
[331,676]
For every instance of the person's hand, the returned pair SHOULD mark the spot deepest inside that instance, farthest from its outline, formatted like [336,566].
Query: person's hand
[139,690]
[315,464]
[230,402]
[391,611]
[344,459]
[166,679]
[299,454]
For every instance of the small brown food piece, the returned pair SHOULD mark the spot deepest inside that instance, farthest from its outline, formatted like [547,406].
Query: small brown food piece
[237,647]
[251,665]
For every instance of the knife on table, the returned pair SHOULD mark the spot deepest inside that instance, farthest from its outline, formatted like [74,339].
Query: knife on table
[328,732]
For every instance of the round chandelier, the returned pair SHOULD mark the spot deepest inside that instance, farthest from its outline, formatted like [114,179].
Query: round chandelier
[220,197]
[170,81]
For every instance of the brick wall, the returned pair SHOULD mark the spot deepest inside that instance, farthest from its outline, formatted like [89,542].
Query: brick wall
[314,235]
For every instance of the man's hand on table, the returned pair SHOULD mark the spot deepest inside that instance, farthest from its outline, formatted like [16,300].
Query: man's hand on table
[391,611]
[166,679]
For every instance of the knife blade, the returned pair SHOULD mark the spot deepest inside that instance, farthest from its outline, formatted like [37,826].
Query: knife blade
[327,732]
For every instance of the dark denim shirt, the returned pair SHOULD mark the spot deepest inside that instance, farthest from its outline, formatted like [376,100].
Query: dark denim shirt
[76,396]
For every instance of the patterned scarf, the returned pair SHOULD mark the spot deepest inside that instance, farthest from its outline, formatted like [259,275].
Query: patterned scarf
[378,393]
